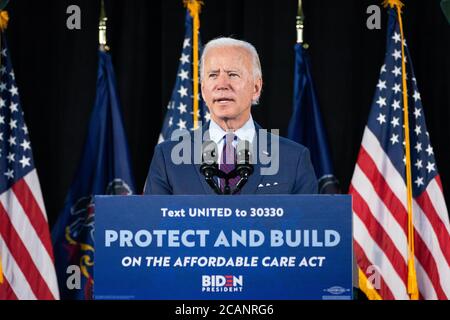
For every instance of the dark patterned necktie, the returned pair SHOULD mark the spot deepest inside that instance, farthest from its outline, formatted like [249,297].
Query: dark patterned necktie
[228,161]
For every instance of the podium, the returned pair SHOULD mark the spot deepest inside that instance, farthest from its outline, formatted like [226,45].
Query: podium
[206,247]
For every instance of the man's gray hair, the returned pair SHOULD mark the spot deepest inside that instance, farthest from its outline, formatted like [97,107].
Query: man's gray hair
[230,42]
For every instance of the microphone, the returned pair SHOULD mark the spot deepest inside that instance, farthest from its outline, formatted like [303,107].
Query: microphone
[445,6]
[209,152]
[209,167]
[244,166]
[244,158]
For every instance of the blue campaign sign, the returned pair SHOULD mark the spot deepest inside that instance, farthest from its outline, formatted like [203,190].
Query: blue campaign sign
[223,247]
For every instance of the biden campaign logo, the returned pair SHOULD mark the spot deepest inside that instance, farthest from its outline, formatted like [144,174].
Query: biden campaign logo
[222,283]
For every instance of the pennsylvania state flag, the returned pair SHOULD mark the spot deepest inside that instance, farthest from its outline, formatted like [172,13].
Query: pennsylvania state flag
[306,125]
[104,169]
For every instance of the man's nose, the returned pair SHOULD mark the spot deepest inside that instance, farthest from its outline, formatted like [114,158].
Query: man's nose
[223,81]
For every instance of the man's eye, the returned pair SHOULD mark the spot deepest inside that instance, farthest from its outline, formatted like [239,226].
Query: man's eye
[232,75]
[212,75]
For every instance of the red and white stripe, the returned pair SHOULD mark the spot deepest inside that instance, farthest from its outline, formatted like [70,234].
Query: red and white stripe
[380,226]
[25,243]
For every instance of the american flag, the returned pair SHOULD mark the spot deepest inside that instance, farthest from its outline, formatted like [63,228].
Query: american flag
[25,245]
[180,114]
[378,187]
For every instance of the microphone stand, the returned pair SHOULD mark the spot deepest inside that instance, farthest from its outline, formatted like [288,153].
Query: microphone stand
[240,184]
[244,171]
[210,169]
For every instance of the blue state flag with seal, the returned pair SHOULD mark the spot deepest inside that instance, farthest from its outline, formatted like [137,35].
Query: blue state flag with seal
[104,170]
[306,125]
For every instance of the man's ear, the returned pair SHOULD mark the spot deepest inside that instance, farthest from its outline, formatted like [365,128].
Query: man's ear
[257,89]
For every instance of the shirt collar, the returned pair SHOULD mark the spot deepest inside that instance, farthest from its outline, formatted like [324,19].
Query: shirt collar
[246,132]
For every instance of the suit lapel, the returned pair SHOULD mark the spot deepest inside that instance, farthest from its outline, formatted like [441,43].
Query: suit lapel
[206,187]
[252,184]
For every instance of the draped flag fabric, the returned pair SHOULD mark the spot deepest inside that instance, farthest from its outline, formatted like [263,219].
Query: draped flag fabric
[378,187]
[104,169]
[180,112]
[26,252]
[306,125]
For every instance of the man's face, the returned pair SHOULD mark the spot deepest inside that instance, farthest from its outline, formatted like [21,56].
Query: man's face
[228,86]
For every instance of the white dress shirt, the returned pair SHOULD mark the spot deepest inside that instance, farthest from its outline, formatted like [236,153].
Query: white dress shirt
[217,134]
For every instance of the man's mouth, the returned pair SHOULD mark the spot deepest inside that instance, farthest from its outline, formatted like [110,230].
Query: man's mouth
[223,100]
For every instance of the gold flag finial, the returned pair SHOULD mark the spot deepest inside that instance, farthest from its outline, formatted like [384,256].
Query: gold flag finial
[393,3]
[4,18]
[194,6]
[102,29]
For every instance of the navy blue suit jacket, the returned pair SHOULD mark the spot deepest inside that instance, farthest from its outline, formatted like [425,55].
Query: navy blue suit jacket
[295,175]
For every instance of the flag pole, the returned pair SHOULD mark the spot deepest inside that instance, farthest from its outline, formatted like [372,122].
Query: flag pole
[4,18]
[102,28]
[1,271]
[300,25]
[194,7]
[300,21]
[412,277]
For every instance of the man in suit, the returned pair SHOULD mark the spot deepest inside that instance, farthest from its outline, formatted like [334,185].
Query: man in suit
[231,82]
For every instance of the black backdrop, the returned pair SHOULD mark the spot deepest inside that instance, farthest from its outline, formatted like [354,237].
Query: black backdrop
[56,72]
